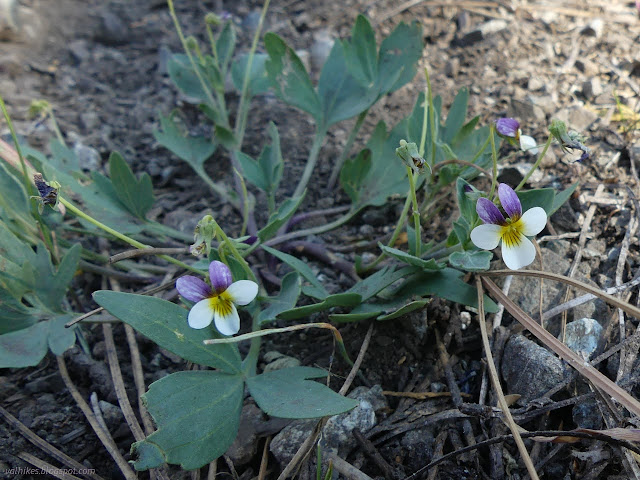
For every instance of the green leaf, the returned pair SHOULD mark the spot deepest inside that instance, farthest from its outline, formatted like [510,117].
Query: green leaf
[380,280]
[287,393]
[462,230]
[193,150]
[289,78]
[258,79]
[14,196]
[184,77]
[405,309]
[427,265]
[226,138]
[383,310]
[335,300]
[197,414]
[471,261]
[445,283]
[280,217]
[225,45]
[24,348]
[541,197]
[398,57]
[466,206]
[285,300]
[302,268]
[457,115]
[266,172]
[60,338]
[166,324]
[361,53]
[52,287]
[354,174]
[561,197]
[136,195]
[341,95]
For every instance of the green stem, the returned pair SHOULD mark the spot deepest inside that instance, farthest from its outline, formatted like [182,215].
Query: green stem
[214,51]
[241,120]
[347,148]
[535,165]
[432,118]
[311,161]
[195,67]
[251,360]
[27,181]
[494,159]
[416,212]
[72,208]
[234,251]
[54,124]
[310,231]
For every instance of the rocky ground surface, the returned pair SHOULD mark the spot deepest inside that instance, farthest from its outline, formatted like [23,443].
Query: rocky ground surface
[102,66]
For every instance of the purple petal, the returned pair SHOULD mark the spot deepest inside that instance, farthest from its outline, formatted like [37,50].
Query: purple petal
[193,288]
[488,212]
[507,127]
[220,276]
[510,201]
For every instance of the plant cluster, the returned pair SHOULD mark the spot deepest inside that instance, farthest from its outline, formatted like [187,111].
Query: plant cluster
[420,159]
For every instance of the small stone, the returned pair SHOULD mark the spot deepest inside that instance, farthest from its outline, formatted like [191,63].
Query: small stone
[513,174]
[251,21]
[577,117]
[164,54]
[452,67]
[112,415]
[583,336]
[282,362]
[588,67]
[594,28]
[112,30]
[592,88]
[49,383]
[89,120]
[586,414]
[526,111]
[320,49]
[530,370]
[536,83]
[483,31]
[89,158]
[366,230]
[245,445]
[79,51]
[8,19]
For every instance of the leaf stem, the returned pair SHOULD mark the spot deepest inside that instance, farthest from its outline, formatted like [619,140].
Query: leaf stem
[494,158]
[321,132]
[416,211]
[311,231]
[347,148]
[432,119]
[535,165]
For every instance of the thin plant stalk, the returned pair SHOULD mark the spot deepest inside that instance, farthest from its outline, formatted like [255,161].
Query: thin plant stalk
[25,174]
[495,381]
[307,231]
[432,119]
[494,161]
[535,165]
[416,211]
[347,148]
[311,161]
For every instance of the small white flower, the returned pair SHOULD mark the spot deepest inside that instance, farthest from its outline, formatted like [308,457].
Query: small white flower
[517,249]
[218,302]
[510,128]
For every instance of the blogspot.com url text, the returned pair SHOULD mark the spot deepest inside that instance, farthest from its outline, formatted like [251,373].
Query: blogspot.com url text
[47,471]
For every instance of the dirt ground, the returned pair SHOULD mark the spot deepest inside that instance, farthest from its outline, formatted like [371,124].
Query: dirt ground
[102,66]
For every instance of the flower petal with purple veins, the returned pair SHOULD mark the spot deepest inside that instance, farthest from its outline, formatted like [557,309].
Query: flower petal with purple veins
[509,201]
[488,212]
[220,276]
[193,288]
[507,127]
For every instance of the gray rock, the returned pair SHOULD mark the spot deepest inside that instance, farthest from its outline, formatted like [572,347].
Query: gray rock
[594,28]
[586,414]
[583,336]
[536,83]
[483,31]
[112,30]
[88,157]
[452,67]
[89,120]
[529,370]
[513,174]
[577,117]
[282,362]
[112,415]
[79,51]
[337,435]
[251,21]
[8,19]
[592,88]
[244,447]
[320,49]
[525,110]
[50,383]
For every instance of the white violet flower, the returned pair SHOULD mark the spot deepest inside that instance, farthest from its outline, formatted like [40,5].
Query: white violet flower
[517,249]
[218,302]
[510,128]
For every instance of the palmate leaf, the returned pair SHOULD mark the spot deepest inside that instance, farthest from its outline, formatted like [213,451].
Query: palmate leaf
[166,324]
[266,172]
[303,269]
[398,56]
[285,300]
[197,414]
[136,195]
[280,217]
[258,79]
[288,393]
[471,261]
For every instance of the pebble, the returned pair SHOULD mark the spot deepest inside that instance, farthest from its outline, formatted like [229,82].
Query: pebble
[112,414]
[8,19]
[592,88]
[577,117]
[337,435]
[250,21]
[89,158]
[320,49]
[79,51]
[49,383]
[452,67]
[525,110]
[536,83]
[583,336]
[594,28]
[244,447]
[484,30]
[111,30]
[89,120]
[282,362]
[164,54]
[530,370]
[586,414]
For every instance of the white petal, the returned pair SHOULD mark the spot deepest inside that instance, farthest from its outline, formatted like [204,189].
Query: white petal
[201,314]
[242,292]
[486,236]
[228,324]
[533,221]
[528,144]
[519,256]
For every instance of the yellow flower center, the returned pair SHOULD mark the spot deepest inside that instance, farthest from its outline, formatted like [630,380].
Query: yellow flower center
[221,304]
[511,233]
